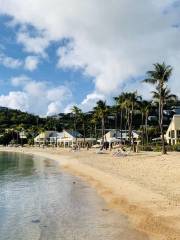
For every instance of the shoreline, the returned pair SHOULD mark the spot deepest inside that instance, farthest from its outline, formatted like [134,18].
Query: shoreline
[129,185]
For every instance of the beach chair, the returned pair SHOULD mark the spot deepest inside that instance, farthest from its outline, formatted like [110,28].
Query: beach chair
[100,151]
[122,152]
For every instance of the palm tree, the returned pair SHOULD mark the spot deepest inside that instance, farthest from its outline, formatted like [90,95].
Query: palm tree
[167,96]
[130,102]
[101,111]
[145,107]
[76,112]
[120,107]
[94,121]
[82,118]
[159,76]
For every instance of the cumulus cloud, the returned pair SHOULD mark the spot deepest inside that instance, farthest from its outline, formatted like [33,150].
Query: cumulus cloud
[20,80]
[10,62]
[111,41]
[15,100]
[36,96]
[31,63]
[36,44]
[90,101]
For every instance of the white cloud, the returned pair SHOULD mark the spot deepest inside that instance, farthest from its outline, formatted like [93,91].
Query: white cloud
[31,63]
[90,101]
[36,96]
[10,62]
[20,80]
[15,100]
[69,107]
[61,91]
[112,41]
[36,45]
[53,108]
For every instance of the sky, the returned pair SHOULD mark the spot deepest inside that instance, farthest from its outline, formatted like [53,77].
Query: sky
[58,53]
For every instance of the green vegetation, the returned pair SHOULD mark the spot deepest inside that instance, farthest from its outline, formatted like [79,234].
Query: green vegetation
[159,77]
[129,112]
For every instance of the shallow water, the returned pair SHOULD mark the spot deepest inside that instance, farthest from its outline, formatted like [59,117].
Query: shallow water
[40,202]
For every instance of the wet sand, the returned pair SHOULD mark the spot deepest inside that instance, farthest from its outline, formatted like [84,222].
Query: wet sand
[143,186]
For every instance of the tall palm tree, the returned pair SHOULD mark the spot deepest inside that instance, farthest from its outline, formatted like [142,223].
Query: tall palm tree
[94,121]
[76,112]
[101,111]
[82,119]
[120,107]
[131,101]
[166,95]
[159,76]
[145,107]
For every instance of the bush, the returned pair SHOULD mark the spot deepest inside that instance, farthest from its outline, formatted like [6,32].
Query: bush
[146,148]
[157,148]
[176,147]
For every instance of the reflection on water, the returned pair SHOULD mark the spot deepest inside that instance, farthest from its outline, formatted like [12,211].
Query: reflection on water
[38,202]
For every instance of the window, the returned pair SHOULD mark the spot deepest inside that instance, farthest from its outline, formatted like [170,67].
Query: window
[178,133]
[172,133]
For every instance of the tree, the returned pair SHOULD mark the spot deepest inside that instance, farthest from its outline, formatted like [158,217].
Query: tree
[94,121]
[76,112]
[145,107]
[82,118]
[130,101]
[101,111]
[166,95]
[159,76]
[120,100]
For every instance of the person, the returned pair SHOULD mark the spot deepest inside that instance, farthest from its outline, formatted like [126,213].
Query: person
[111,146]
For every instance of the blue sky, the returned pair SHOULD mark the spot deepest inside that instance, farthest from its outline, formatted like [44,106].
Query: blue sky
[47,71]
[57,53]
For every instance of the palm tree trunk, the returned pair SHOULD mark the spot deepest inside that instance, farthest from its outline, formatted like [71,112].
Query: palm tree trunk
[121,124]
[75,129]
[142,123]
[84,133]
[130,129]
[161,128]
[102,128]
[146,123]
[161,120]
[95,131]
[116,122]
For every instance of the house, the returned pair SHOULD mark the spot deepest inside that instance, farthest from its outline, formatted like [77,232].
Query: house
[44,137]
[62,139]
[115,136]
[172,135]
[69,138]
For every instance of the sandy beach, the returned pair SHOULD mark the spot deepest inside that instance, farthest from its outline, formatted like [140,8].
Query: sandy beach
[143,186]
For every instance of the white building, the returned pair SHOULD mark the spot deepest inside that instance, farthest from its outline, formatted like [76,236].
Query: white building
[63,139]
[172,135]
[114,136]
[69,138]
[44,137]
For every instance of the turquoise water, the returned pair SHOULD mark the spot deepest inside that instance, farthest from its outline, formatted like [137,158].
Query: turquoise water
[40,202]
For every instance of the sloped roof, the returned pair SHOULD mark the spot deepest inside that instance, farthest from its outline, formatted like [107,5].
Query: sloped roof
[74,133]
[45,134]
[175,123]
[117,133]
